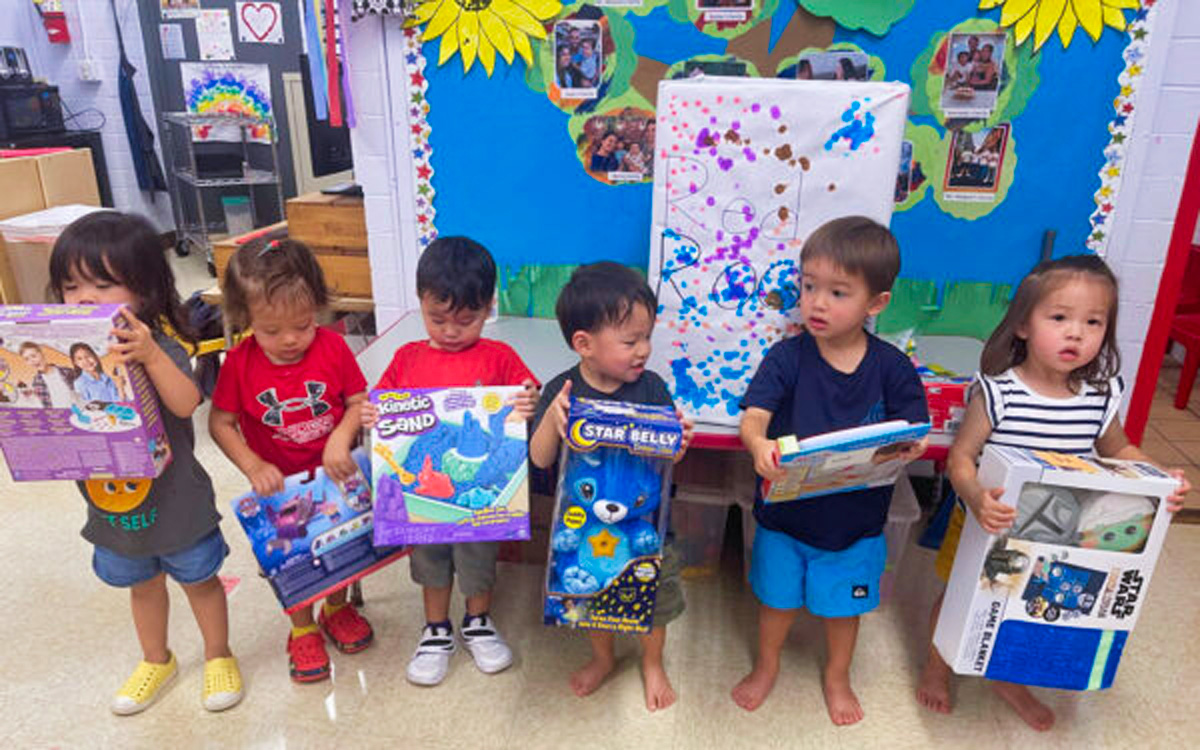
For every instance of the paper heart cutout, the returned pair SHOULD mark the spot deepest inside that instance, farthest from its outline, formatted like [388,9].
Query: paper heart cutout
[262,16]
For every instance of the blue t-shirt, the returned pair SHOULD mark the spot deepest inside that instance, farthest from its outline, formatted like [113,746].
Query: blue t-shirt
[806,396]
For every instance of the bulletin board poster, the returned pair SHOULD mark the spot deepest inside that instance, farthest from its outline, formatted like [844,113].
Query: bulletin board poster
[745,171]
[542,155]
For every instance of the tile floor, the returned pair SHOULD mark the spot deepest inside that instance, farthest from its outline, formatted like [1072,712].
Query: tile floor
[72,646]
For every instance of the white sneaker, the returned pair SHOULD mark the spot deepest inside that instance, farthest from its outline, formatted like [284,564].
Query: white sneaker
[431,660]
[487,646]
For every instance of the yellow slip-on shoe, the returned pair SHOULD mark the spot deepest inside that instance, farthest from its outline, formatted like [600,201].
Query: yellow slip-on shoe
[143,687]
[222,683]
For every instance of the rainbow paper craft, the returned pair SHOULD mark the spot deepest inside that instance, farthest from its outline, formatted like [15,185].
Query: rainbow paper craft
[228,88]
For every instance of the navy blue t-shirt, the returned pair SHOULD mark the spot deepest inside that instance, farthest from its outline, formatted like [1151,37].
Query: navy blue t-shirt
[806,396]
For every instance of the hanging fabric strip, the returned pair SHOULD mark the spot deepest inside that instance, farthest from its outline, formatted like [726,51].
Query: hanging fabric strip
[331,65]
[316,66]
[344,40]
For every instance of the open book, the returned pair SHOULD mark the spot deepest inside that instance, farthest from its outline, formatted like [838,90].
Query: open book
[842,461]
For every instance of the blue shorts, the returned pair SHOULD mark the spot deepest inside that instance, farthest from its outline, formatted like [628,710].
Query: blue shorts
[193,564]
[788,574]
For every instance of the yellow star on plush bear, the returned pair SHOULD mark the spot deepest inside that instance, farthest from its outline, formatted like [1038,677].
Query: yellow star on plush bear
[603,544]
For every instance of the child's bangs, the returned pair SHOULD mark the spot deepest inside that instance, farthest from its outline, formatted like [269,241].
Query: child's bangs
[81,259]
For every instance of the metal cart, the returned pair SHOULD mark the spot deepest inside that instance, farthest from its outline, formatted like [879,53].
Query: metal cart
[259,167]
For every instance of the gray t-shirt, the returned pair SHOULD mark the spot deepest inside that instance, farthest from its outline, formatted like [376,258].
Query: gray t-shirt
[148,517]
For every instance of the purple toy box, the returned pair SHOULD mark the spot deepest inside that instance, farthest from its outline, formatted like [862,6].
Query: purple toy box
[449,466]
[68,409]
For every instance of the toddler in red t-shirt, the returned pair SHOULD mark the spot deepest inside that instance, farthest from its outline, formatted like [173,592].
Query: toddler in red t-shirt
[456,282]
[287,401]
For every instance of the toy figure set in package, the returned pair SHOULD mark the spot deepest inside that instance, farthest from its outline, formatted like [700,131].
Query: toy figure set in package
[449,466]
[611,515]
[68,408]
[1051,601]
[315,536]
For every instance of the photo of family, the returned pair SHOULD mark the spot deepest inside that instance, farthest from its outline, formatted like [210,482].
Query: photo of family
[837,65]
[974,164]
[974,73]
[725,10]
[619,147]
[578,58]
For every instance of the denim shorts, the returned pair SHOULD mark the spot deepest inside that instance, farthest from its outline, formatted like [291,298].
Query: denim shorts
[193,564]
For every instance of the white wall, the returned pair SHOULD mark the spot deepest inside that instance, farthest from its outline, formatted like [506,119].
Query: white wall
[1168,108]
[382,165]
[93,35]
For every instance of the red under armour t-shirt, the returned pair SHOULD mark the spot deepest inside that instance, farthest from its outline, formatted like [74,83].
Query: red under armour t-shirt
[488,362]
[286,412]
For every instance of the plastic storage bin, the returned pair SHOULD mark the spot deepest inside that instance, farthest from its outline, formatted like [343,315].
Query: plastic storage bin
[699,534]
[238,217]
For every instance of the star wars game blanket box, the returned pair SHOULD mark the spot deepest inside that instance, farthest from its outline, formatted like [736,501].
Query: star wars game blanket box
[1051,601]
[449,466]
[314,537]
[611,515]
[69,409]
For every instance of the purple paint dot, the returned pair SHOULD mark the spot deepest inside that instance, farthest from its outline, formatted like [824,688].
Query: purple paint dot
[712,151]
[775,113]
[724,164]
[692,188]
[755,107]
[737,125]
[712,120]
[720,235]
[781,246]
[713,201]
[749,152]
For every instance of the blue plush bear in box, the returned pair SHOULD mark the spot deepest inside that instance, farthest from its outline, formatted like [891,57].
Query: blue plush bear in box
[619,495]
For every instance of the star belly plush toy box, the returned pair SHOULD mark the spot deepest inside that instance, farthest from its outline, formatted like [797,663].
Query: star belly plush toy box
[315,536]
[1050,602]
[68,408]
[610,517]
[449,466]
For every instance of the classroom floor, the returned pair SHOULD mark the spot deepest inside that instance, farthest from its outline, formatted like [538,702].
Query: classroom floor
[73,645]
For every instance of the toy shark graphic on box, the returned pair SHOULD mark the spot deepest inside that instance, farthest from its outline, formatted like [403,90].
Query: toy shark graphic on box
[449,465]
[611,515]
[69,409]
[315,536]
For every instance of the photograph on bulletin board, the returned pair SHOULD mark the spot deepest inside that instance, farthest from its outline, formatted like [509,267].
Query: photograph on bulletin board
[904,176]
[578,58]
[725,10]
[973,70]
[619,147]
[840,65]
[973,171]
[728,68]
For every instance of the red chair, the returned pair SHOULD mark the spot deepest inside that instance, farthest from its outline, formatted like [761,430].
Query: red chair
[1185,327]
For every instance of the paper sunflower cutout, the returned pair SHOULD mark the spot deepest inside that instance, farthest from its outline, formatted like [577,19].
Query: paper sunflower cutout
[480,28]
[1043,17]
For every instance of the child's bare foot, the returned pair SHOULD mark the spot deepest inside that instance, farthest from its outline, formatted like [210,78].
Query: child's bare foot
[1035,713]
[659,693]
[755,687]
[840,700]
[934,690]
[590,676]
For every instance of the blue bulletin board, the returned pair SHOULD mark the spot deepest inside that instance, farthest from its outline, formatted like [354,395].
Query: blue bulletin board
[508,168]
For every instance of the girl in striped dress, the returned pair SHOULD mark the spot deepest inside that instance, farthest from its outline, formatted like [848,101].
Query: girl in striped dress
[1048,380]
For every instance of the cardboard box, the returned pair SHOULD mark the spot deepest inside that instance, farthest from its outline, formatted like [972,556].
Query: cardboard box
[610,518]
[1051,602]
[68,177]
[26,242]
[347,272]
[328,221]
[59,422]
[314,538]
[22,191]
[449,465]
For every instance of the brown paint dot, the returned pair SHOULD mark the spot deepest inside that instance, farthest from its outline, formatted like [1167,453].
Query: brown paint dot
[783,213]
[783,128]
[732,136]
[805,163]
[780,188]
[783,153]
[792,163]
[831,187]
[766,151]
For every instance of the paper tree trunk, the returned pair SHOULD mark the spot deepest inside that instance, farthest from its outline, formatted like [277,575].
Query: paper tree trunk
[744,171]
